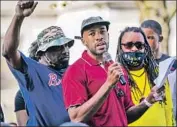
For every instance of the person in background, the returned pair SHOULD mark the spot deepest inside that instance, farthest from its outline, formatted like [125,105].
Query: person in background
[153,32]
[20,109]
[134,53]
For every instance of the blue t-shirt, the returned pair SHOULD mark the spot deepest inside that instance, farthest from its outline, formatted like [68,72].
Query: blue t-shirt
[42,91]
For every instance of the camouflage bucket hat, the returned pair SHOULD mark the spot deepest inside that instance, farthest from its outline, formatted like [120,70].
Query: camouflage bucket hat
[52,36]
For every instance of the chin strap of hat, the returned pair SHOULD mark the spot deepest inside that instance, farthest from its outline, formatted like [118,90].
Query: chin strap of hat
[49,61]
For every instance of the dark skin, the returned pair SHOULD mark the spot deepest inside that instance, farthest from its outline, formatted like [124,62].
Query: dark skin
[154,41]
[11,39]
[134,37]
[96,40]
[11,42]
[58,55]
[12,36]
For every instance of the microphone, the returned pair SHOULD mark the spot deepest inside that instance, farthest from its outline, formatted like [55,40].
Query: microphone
[107,58]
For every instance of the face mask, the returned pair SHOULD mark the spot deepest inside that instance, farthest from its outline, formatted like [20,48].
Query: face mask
[134,59]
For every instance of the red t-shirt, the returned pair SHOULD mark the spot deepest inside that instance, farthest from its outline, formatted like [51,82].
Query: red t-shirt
[83,79]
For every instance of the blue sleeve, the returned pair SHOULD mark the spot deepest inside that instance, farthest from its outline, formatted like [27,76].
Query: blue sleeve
[23,78]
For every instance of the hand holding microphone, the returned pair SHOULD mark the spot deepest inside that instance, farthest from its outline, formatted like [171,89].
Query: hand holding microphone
[114,70]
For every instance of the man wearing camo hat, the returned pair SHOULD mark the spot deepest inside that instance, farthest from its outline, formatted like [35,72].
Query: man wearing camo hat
[39,81]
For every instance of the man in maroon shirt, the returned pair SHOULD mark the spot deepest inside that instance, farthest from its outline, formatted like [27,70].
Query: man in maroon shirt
[91,87]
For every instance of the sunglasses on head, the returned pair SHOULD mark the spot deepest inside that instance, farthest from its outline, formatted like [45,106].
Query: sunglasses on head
[138,45]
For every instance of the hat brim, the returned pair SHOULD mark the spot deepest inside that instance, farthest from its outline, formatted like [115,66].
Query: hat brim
[57,42]
[106,23]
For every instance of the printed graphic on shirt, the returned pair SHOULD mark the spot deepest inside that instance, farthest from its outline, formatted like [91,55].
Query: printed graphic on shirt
[53,80]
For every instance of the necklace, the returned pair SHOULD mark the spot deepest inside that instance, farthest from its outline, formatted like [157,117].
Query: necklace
[137,93]
[138,75]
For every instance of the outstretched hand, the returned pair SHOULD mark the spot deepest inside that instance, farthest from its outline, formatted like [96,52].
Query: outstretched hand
[25,8]
[156,94]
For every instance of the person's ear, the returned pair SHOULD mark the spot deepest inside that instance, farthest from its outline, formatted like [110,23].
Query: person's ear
[83,41]
[160,38]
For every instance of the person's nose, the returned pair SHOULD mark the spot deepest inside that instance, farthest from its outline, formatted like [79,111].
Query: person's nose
[134,48]
[66,50]
[150,42]
[98,36]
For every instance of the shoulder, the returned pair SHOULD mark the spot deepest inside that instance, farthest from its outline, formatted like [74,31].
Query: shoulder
[18,94]
[163,57]
[74,71]
[76,66]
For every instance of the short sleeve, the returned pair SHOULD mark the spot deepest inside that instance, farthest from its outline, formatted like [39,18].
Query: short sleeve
[74,86]
[24,79]
[19,102]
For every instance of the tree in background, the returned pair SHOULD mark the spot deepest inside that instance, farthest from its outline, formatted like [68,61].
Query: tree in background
[161,12]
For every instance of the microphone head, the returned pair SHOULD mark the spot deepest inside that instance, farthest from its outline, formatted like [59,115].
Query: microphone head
[107,57]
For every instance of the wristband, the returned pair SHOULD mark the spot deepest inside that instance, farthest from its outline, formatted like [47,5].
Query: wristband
[147,103]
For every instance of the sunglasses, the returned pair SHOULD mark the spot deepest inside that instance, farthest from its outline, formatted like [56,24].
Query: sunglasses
[138,45]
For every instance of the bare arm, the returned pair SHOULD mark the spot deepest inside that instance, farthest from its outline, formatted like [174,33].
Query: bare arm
[11,42]
[22,117]
[84,112]
[12,36]
[136,112]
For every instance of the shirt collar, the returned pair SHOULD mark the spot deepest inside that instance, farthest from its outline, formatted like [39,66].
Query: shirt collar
[90,60]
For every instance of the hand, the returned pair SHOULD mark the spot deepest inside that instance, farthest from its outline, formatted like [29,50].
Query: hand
[156,94]
[25,8]
[114,73]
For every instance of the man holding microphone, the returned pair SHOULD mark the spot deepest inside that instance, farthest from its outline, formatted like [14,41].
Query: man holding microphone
[91,86]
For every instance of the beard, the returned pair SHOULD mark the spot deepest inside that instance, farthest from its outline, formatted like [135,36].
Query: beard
[62,65]
[58,62]
[96,52]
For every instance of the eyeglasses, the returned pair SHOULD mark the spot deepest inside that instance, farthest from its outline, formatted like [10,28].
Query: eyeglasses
[129,45]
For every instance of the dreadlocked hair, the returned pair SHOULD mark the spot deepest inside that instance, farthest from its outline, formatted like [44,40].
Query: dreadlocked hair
[150,64]
[32,50]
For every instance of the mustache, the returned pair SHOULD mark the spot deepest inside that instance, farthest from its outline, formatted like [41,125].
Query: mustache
[101,43]
[63,56]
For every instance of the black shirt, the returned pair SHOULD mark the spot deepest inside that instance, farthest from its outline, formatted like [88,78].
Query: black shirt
[162,58]
[19,102]
[1,115]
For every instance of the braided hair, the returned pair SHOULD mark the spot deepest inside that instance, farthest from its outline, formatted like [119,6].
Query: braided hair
[33,49]
[150,64]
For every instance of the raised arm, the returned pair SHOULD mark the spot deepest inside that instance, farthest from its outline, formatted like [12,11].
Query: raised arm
[12,36]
